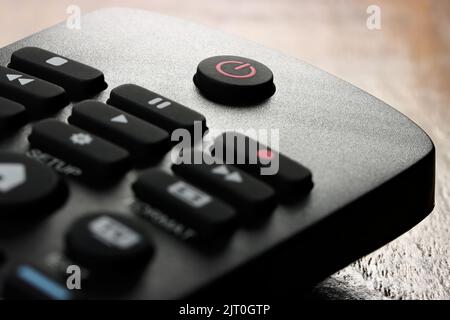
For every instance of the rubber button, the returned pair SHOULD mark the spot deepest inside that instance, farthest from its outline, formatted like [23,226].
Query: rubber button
[234,80]
[28,187]
[108,242]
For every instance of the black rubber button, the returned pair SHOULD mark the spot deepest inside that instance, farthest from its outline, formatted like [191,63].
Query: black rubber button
[27,187]
[79,80]
[108,242]
[251,197]
[12,115]
[234,80]
[142,139]
[156,109]
[39,97]
[99,160]
[207,215]
[290,179]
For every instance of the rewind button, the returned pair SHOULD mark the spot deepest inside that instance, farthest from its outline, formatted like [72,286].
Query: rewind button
[22,81]
[39,97]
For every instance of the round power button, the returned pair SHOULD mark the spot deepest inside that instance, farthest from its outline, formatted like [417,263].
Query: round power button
[234,80]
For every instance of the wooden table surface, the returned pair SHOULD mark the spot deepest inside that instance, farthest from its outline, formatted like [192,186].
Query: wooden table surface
[406,64]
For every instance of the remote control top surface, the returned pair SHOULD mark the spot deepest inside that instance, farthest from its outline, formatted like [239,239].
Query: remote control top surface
[366,159]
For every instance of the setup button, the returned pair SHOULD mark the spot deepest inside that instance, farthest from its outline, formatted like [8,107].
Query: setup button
[234,80]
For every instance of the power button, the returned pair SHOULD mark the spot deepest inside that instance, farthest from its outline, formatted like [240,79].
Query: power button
[234,80]
[237,66]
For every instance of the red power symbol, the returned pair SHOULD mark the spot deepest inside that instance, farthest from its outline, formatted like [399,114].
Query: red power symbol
[240,66]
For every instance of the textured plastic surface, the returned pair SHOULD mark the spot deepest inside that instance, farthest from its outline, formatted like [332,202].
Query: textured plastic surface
[366,159]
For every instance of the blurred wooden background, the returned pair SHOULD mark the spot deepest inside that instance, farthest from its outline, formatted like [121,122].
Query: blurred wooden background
[406,64]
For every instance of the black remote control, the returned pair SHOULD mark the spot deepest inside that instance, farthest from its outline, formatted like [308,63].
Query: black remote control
[91,177]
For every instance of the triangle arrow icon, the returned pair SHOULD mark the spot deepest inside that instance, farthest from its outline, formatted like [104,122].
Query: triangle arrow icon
[12,77]
[25,81]
[222,170]
[120,119]
[235,177]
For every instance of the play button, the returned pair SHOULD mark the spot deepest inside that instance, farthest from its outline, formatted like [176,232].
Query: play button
[234,177]
[120,119]
[12,175]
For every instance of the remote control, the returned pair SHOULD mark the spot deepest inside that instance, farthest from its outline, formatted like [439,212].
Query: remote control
[100,200]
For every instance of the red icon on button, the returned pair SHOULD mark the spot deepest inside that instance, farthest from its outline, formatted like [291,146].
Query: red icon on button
[238,66]
[265,154]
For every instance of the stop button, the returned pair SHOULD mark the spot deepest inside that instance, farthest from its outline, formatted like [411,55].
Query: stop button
[234,80]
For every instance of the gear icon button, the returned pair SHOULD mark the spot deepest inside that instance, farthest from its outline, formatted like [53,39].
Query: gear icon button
[81,139]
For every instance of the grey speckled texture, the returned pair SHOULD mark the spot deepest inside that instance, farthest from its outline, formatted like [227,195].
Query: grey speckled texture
[415,266]
[351,141]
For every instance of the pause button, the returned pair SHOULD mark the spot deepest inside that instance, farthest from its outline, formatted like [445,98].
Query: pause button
[159,103]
